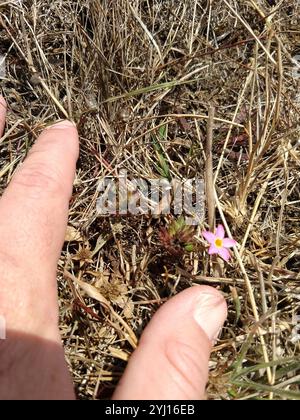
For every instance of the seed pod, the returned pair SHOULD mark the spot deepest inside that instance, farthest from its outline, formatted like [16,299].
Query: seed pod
[124,114]
[35,79]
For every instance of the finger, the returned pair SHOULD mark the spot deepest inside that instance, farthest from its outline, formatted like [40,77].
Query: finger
[172,359]
[34,208]
[2,114]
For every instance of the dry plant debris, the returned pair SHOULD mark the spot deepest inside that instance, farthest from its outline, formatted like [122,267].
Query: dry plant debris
[126,71]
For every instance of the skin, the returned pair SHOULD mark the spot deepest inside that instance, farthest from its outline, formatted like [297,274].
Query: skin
[33,220]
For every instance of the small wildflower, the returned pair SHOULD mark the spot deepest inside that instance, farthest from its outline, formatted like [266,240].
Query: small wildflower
[218,243]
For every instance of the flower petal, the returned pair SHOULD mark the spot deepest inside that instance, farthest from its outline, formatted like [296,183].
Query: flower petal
[220,232]
[224,253]
[209,236]
[228,243]
[213,250]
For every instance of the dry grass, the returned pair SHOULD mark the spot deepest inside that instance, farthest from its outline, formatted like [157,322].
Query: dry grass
[123,70]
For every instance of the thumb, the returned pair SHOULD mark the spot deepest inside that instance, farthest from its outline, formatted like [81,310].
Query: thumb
[171,361]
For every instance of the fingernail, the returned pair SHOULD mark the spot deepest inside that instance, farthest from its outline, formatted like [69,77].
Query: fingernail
[63,125]
[208,314]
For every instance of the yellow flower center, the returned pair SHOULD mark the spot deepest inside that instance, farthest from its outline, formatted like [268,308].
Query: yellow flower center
[219,243]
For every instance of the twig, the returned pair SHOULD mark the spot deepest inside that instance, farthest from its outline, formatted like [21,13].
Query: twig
[209,176]
[250,292]
[248,27]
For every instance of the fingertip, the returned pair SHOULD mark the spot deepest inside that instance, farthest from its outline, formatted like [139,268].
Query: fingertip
[63,131]
[35,204]
[210,311]
[180,337]
[65,124]
[203,304]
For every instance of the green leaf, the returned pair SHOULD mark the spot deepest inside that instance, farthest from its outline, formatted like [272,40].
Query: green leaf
[163,132]
[163,167]
[256,368]
[292,395]
[148,89]
[189,247]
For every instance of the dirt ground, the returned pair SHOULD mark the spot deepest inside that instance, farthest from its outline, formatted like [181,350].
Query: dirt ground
[139,78]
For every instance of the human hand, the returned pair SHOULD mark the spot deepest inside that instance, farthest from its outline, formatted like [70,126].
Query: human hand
[171,361]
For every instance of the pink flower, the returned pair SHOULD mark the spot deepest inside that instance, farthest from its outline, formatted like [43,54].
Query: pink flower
[218,243]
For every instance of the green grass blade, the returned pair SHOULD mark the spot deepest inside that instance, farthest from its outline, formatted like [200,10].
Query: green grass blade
[148,89]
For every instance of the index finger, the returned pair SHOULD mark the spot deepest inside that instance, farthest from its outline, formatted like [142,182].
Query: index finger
[34,208]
